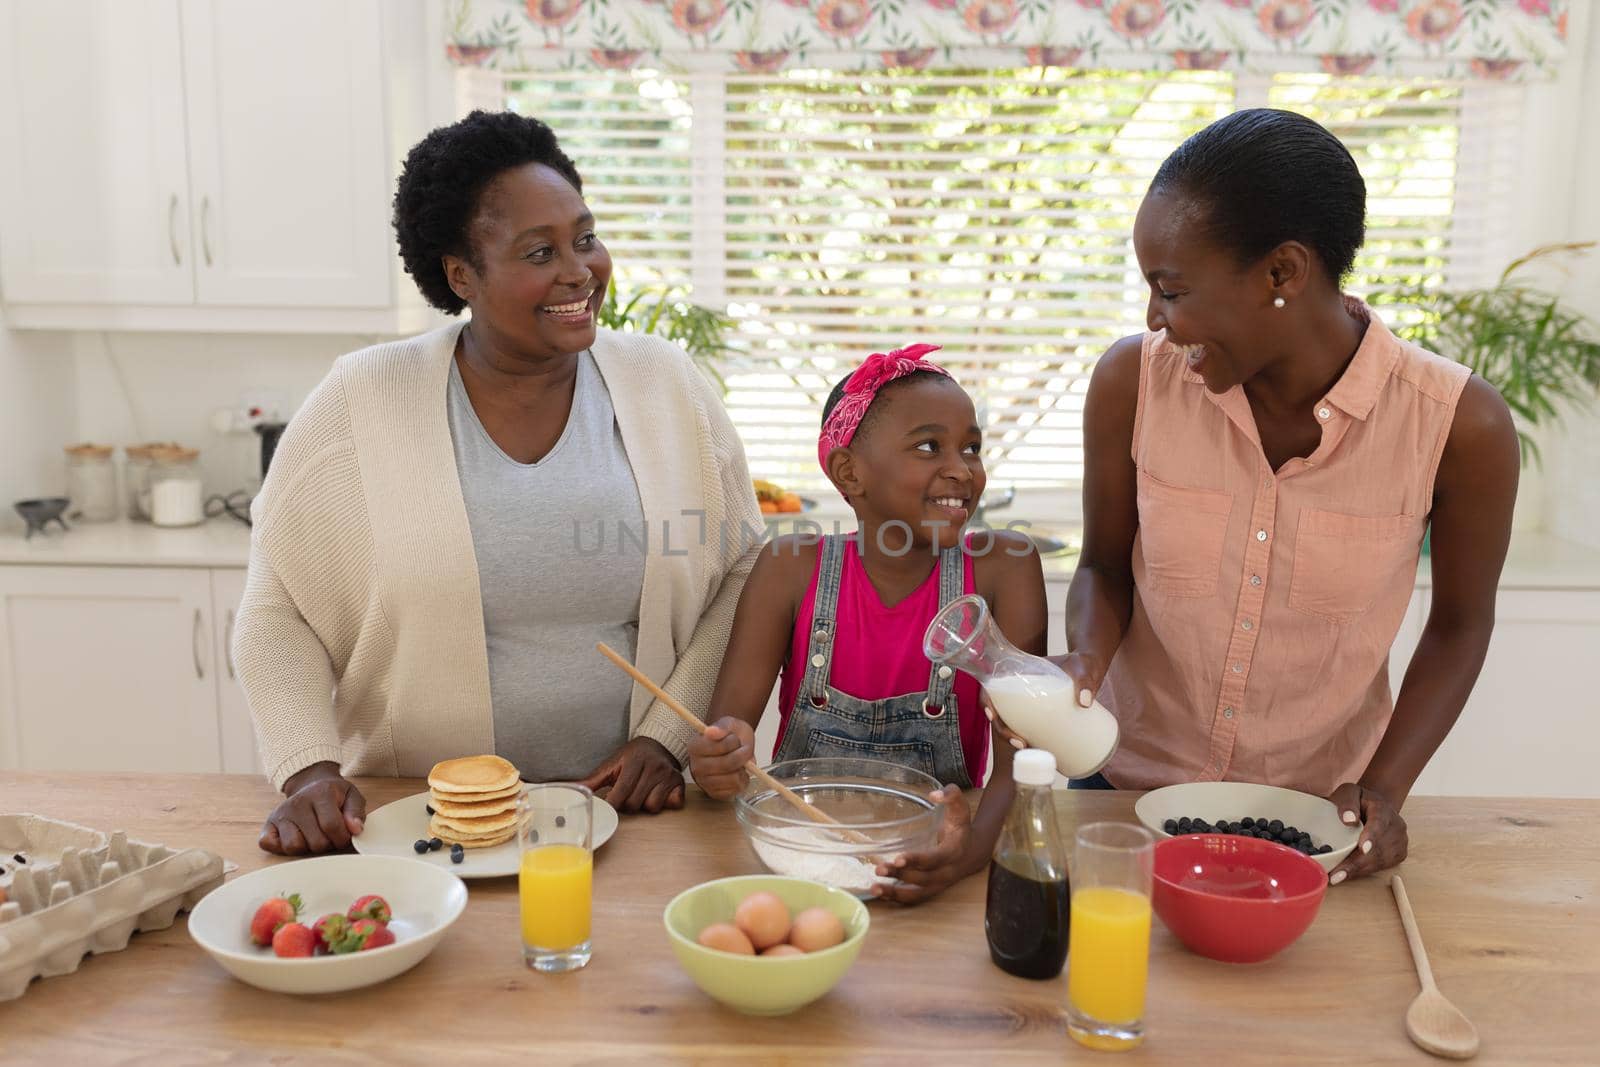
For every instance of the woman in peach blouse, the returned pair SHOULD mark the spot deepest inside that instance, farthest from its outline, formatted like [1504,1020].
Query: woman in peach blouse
[1261,468]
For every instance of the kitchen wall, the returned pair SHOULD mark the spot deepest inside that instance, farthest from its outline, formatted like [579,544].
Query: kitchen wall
[36,414]
[131,387]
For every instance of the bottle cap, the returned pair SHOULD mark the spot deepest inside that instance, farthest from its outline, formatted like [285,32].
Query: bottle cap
[1033,766]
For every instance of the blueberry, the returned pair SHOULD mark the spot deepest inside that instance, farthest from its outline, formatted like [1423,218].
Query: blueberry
[561,820]
[457,853]
[1234,827]
[1247,822]
[19,857]
[435,844]
[1324,848]
[1170,826]
[419,846]
[429,808]
[1184,824]
[1276,826]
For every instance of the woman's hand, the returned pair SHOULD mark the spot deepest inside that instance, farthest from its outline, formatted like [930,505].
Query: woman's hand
[1016,741]
[320,811]
[639,776]
[1086,672]
[717,757]
[921,875]
[1383,842]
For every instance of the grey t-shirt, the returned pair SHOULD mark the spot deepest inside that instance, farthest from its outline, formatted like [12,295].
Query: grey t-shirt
[558,571]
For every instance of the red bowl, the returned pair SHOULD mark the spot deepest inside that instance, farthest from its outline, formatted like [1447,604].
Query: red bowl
[1235,899]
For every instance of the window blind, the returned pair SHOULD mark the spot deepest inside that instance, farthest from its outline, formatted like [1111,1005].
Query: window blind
[834,214]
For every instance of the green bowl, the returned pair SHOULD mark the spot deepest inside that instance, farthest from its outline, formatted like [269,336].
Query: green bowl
[758,985]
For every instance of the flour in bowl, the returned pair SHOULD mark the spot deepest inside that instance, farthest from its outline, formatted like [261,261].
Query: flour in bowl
[801,852]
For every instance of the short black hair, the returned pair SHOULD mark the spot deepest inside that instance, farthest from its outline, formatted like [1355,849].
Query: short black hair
[442,181]
[866,419]
[1265,176]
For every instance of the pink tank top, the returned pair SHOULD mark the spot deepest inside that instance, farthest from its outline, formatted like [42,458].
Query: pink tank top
[877,650]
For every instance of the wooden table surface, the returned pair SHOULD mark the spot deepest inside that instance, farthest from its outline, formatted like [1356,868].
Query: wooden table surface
[1505,894]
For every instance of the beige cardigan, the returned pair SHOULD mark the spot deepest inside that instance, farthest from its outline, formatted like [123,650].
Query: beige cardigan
[360,639]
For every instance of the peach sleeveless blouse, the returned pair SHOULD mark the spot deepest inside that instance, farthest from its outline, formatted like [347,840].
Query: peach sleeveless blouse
[1265,602]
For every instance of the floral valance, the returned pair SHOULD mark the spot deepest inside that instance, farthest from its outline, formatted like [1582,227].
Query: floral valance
[1499,39]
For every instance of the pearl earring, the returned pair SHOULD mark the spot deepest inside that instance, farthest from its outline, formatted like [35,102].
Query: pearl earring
[1277,301]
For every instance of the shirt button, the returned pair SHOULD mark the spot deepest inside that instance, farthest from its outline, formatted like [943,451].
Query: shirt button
[1246,625]
[1238,668]
[818,660]
[1323,413]
[1227,713]
[821,635]
[945,672]
[1255,579]
[1261,535]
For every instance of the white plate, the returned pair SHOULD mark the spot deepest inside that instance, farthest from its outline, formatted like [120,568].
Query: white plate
[423,899]
[1235,800]
[393,830]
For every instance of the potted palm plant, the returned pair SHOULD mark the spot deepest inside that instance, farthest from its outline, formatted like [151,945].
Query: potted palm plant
[1540,354]
[702,331]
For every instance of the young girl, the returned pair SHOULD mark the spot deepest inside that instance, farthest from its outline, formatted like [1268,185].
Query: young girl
[843,616]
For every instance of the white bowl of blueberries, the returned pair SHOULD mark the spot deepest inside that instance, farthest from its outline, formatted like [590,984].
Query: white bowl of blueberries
[1306,823]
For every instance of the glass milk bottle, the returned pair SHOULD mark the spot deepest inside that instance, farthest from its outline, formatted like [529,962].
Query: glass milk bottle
[91,482]
[1028,909]
[1034,697]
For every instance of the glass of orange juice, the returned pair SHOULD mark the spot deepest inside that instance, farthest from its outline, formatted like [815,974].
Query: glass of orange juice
[555,833]
[1108,958]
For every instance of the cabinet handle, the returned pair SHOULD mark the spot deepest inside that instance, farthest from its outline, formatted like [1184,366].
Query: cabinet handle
[205,227]
[194,647]
[227,643]
[172,230]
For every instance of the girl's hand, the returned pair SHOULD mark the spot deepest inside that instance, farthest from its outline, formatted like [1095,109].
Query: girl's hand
[923,874]
[717,757]
[1383,842]
[321,811]
[640,776]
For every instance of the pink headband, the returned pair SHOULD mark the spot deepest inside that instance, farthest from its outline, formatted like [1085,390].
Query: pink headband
[861,387]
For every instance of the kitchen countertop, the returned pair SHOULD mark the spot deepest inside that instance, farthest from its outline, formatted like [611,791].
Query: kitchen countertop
[1535,560]
[1503,889]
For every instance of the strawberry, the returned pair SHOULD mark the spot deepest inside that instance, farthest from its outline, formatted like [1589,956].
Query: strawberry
[294,939]
[370,906]
[364,934]
[273,914]
[329,929]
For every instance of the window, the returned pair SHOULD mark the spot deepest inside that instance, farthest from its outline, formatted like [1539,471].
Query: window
[836,214]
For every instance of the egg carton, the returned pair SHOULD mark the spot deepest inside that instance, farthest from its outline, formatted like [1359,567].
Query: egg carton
[70,891]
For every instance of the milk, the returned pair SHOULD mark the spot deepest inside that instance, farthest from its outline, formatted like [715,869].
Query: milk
[1044,711]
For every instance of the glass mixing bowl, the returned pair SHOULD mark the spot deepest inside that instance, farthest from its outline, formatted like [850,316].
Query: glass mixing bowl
[884,806]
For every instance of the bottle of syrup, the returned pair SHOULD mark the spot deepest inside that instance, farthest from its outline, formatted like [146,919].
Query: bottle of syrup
[1026,917]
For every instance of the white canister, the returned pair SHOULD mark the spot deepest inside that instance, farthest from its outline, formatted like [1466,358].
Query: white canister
[176,496]
[91,482]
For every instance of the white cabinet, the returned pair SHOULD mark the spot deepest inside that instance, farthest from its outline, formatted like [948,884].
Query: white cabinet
[107,669]
[205,164]
[234,728]
[122,669]
[94,202]
[1532,724]
[288,176]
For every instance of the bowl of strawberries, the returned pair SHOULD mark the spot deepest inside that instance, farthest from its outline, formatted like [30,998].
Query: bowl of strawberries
[327,924]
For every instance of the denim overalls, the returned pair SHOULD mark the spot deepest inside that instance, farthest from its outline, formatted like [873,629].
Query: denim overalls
[919,730]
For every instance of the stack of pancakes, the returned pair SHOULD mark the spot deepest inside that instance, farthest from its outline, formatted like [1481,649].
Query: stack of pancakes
[474,801]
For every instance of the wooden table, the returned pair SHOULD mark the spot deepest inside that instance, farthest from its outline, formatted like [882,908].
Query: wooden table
[1505,893]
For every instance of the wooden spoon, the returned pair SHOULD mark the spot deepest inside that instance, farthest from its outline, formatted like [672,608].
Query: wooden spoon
[813,812]
[1435,1024]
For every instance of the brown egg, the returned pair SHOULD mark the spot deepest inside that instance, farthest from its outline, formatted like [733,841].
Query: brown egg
[783,950]
[816,929]
[763,918]
[726,937]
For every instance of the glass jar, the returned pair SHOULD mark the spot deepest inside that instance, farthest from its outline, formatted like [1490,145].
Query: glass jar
[136,480]
[175,494]
[91,483]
